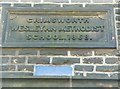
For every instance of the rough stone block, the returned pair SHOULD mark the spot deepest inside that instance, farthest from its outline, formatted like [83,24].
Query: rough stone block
[38,60]
[53,52]
[80,1]
[107,68]
[118,32]
[5,60]
[117,1]
[9,0]
[8,67]
[31,1]
[56,1]
[47,5]
[94,60]
[117,11]
[118,25]
[17,60]
[22,5]
[97,76]
[91,76]
[112,60]
[84,68]
[5,5]
[60,61]
[8,52]
[102,1]
[106,52]
[27,52]
[118,18]
[25,68]
[81,52]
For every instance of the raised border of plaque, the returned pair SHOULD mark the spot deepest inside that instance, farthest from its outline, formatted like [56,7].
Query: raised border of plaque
[83,27]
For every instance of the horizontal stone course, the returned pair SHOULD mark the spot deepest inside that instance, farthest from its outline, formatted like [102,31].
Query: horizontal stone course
[96,76]
[62,61]
[38,60]
[107,68]
[93,60]
[25,68]
[17,60]
[84,68]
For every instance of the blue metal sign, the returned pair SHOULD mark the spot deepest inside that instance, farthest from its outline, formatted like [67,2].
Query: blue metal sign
[53,70]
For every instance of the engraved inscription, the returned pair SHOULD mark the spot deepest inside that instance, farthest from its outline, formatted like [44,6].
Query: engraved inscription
[53,28]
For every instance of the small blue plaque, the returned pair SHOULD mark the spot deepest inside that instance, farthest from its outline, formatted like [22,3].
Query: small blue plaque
[53,70]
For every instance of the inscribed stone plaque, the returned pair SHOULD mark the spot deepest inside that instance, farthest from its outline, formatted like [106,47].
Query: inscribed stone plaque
[40,27]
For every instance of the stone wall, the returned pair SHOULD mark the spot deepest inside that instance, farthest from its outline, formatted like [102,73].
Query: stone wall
[87,63]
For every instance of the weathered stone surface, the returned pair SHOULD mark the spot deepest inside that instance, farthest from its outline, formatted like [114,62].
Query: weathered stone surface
[102,1]
[9,0]
[8,52]
[94,60]
[56,1]
[118,18]
[8,68]
[38,60]
[47,5]
[81,52]
[6,4]
[83,68]
[107,68]
[118,25]
[91,76]
[53,52]
[25,68]
[117,1]
[80,1]
[17,60]
[106,52]
[112,60]
[60,61]
[117,11]
[5,60]
[119,32]
[72,5]
[31,1]
[27,52]
[22,5]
